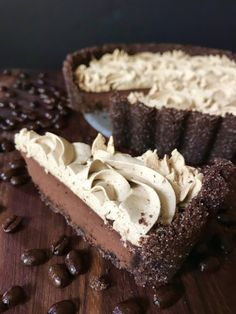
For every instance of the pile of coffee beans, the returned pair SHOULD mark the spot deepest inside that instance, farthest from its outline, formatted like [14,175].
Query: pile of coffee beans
[12,297]
[32,102]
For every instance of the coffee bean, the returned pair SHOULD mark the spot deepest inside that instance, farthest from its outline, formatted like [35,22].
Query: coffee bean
[11,223]
[12,105]
[44,123]
[23,75]
[59,275]
[26,86]
[41,82]
[19,180]
[5,127]
[222,244]
[226,219]
[130,306]
[50,106]
[6,146]
[7,72]
[49,115]
[209,264]
[16,164]
[11,121]
[63,307]
[33,91]
[167,295]
[41,90]
[3,88]
[33,104]
[60,246]
[34,257]
[10,94]
[42,75]
[9,173]
[14,296]
[32,126]
[74,263]
[3,104]
[3,307]
[60,124]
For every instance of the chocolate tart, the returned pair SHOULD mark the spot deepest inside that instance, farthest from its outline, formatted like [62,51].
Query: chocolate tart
[200,137]
[162,253]
[89,101]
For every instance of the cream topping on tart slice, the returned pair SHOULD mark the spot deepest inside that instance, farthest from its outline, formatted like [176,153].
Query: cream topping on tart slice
[132,193]
[202,82]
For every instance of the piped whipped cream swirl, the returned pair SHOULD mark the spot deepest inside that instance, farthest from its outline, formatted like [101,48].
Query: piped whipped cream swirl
[133,194]
[203,82]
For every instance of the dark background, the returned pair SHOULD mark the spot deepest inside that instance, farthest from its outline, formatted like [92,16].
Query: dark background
[38,34]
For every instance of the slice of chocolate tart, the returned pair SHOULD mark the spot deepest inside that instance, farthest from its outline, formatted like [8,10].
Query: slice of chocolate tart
[191,101]
[143,213]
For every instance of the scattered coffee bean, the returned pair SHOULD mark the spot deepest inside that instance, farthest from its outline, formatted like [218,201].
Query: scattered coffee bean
[222,244]
[14,296]
[16,164]
[33,104]
[130,306]
[11,121]
[3,307]
[167,295]
[3,104]
[226,219]
[74,263]
[32,126]
[60,246]
[60,124]
[5,127]
[19,180]
[42,75]
[7,72]
[50,106]
[3,88]
[49,115]
[9,173]
[34,257]
[11,223]
[99,283]
[12,105]
[41,82]
[44,123]
[10,94]
[63,307]
[23,75]
[59,275]
[210,264]
[6,146]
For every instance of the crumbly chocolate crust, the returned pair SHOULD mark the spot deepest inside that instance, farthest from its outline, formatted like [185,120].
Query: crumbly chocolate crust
[88,101]
[199,137]
[163,252]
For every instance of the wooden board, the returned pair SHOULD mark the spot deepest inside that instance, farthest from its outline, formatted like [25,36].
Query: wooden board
[204,293]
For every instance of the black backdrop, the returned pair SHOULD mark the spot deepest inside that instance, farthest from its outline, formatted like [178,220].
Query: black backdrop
[38,34]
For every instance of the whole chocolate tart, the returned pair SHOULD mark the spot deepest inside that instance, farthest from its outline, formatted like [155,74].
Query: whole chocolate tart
[144,213]
[200,135]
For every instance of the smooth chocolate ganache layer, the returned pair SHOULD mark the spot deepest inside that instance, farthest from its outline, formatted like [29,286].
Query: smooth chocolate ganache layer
[144,213]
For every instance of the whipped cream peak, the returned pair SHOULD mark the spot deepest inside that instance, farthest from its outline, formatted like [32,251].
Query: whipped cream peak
[205,83]
[131,193]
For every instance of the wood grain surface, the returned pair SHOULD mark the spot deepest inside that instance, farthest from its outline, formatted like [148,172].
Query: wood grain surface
[204,293]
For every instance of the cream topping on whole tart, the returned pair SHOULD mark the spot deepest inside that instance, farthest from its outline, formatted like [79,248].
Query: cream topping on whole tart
[132,193]
[205,83]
